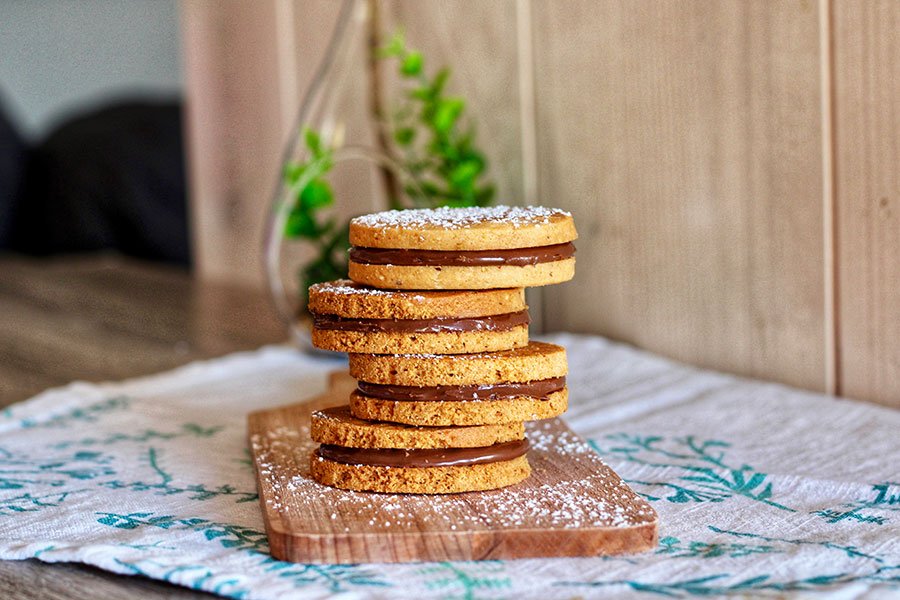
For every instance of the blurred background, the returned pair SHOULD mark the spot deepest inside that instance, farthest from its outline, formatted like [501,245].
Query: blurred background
[732,166]
[91,144]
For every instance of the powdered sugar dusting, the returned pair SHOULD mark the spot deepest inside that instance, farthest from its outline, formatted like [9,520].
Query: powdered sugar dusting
[346,287]
[570,488]
[460,218]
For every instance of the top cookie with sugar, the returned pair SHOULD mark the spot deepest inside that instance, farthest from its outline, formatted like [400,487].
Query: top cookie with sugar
[471,228]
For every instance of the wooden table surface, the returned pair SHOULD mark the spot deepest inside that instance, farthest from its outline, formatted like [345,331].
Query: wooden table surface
[110,318]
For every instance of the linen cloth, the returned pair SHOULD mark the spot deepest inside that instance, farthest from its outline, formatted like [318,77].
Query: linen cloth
[759,488]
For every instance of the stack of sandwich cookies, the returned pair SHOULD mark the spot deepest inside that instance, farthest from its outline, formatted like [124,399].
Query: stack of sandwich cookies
[435,323]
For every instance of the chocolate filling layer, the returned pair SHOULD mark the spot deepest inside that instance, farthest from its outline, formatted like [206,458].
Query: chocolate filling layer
[503,322]
[438,457]
[456,393]
[517,257]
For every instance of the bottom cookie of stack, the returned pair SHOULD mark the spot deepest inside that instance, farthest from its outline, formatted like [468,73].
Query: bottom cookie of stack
[386,457]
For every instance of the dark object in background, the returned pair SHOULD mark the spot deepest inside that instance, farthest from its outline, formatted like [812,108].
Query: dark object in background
[110,179]
[13,157]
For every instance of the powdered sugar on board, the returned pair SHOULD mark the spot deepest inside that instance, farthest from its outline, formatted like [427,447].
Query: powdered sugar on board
[572,505]
[460,218]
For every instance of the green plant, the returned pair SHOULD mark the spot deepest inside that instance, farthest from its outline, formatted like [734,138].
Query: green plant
[311,194]
[431,141]
[428,134]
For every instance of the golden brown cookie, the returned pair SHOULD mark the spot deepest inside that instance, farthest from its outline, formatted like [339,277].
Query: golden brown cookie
[523,384]
[534,362]
[332,466]
[349,317]
[337,427]
[468,412]
[481,228]
[463,248]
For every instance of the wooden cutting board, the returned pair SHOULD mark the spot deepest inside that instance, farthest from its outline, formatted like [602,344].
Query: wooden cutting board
[572,505]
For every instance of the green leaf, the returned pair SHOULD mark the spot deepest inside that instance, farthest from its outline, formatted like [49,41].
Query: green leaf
[292,172]
[485,195]
[313,142]
[421,93]
[439,81]
[411,64]
[396,46]
[404,135]
[300,224]
[316,194]
[465,173]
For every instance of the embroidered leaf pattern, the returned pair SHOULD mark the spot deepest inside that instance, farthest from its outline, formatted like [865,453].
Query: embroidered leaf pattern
[165,486]
[886,500]
[703,471]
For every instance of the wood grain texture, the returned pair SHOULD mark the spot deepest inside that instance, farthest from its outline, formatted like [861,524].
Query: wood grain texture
[32,579]
[236,128]
[105,319]
[686,138]
[866,80]
[565,508]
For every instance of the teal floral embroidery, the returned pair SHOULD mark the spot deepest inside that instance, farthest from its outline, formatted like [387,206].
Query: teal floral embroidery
[336,578]
[19,470]
[850,551]
[886,499]
[196,577]
[714,585]
[166,487]
[236,537]
[31,503]
[40,552]
[157,545]
[466,580]
[705,475]
[88,414]
[675,548]
[186,430]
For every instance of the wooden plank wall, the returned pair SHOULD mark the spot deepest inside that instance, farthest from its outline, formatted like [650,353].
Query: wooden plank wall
[866,93]
[232,77]
[685,136]
[732,165]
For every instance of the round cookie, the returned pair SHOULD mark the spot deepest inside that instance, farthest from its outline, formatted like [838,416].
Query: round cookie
[522,384]
[414,480]
[463,248]
[534,362]
[471,228]
[349,317]
[384,457]
[458,278]
[468,412]
[336,426]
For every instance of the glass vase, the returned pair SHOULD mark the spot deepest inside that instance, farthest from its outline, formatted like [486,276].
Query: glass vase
[335,162]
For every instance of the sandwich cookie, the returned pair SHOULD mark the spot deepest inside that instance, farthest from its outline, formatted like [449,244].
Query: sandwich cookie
[383,457]
[350,317]
[463,248]
[522,384]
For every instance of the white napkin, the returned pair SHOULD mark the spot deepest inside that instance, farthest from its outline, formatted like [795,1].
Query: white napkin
[759,488]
